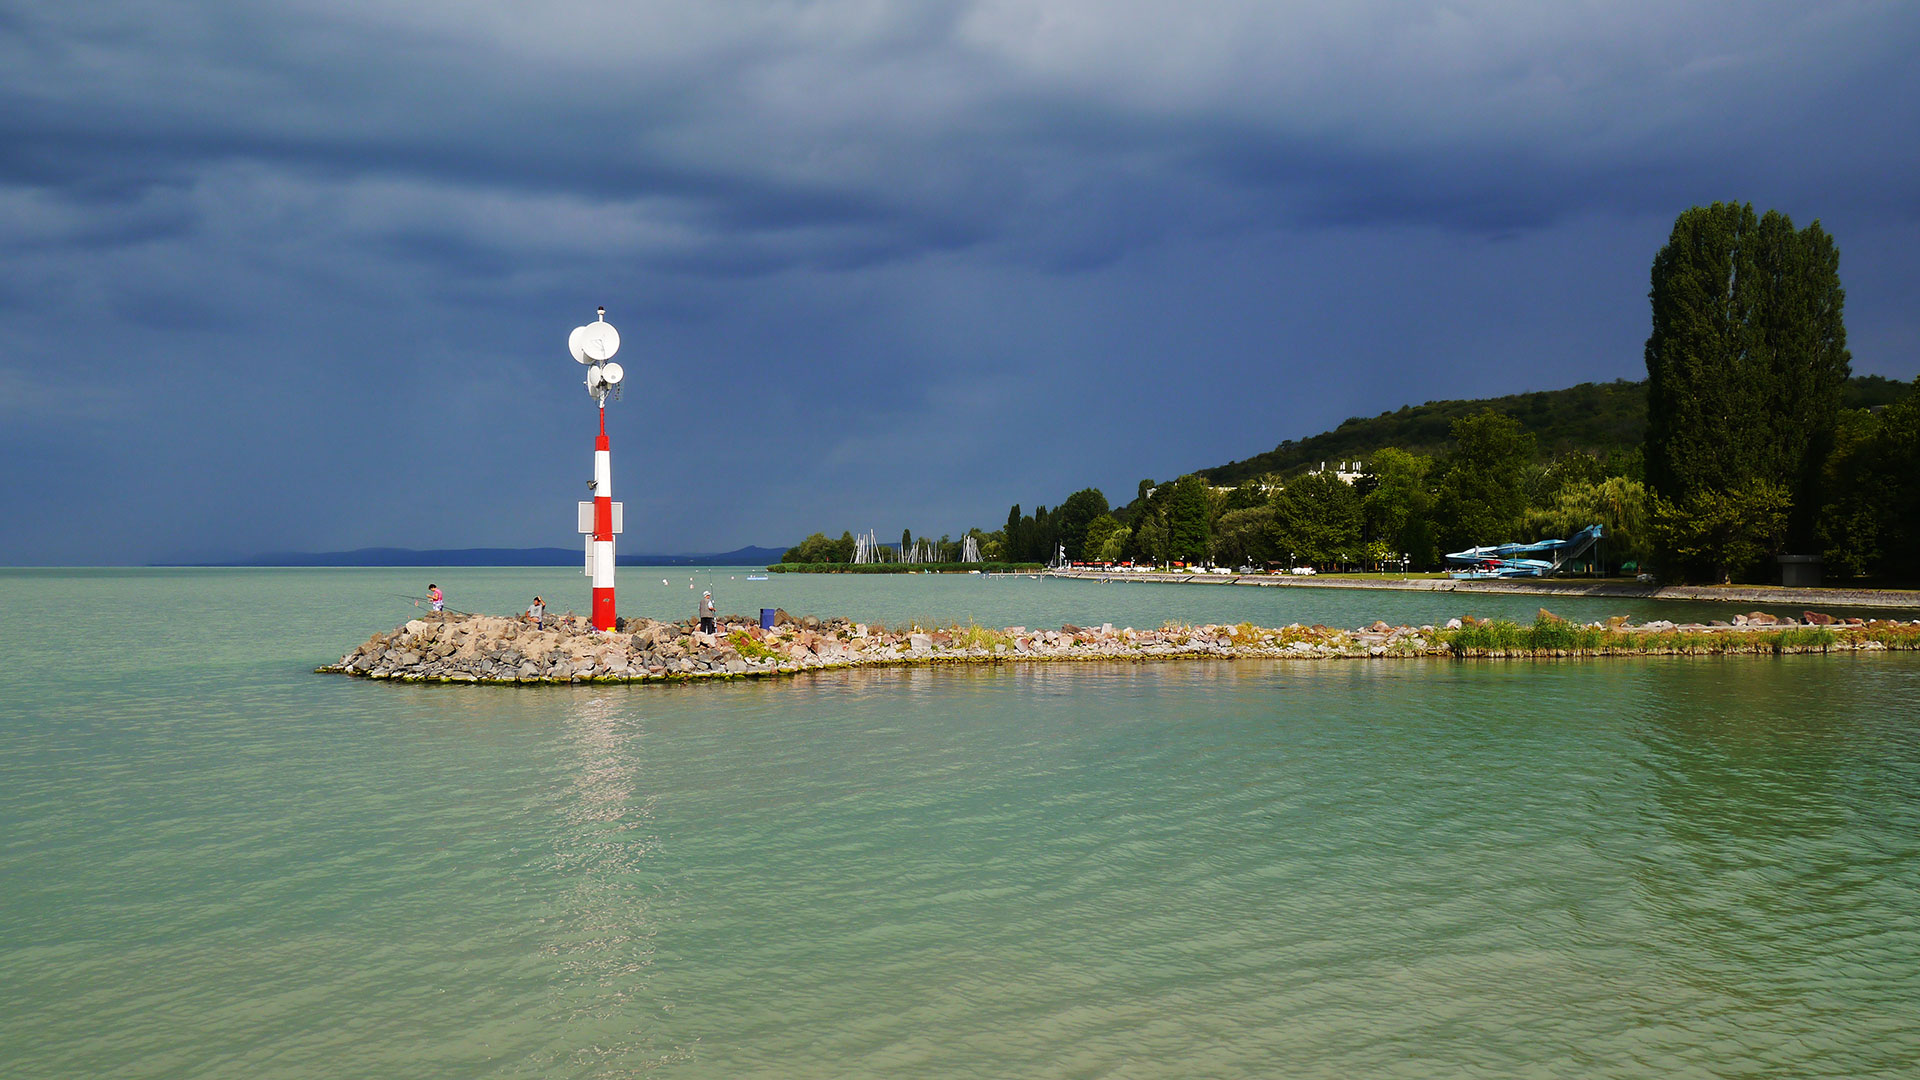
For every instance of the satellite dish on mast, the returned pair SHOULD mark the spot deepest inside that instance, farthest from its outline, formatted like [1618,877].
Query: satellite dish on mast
[599,340]
[612,373]
[576,346]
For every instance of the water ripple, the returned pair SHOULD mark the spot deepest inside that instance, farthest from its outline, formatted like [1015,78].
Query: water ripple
[1612,869]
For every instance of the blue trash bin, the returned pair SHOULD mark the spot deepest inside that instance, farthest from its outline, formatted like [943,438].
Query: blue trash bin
[766,618]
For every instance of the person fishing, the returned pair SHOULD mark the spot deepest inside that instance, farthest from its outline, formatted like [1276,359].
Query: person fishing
[706,612]
[538,613]
[435,601]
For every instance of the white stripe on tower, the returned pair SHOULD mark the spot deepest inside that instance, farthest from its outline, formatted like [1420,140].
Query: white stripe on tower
[603,608]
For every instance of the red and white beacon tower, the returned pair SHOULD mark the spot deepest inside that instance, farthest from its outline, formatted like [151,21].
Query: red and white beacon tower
[594,345]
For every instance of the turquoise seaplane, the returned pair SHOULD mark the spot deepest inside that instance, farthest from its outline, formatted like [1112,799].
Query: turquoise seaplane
[1540,559]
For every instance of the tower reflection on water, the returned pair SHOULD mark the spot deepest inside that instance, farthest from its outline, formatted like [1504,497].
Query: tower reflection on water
[608,895]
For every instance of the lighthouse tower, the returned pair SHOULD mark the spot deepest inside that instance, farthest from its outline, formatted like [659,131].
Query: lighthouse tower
[600,519]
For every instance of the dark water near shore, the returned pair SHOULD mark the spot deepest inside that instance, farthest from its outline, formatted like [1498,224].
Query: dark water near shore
[216,864]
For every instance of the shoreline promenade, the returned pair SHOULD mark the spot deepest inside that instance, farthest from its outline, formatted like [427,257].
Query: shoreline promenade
[1899,599]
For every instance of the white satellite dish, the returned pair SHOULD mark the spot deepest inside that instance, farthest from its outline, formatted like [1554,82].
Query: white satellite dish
[600,340]
[575,346]
[612,373]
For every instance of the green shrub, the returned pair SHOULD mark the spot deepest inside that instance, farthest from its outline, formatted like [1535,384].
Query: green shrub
[1893,635]
[1482,638]
[1552,634]
[744,644]
[1806,637]
[975,636]
[1244,634]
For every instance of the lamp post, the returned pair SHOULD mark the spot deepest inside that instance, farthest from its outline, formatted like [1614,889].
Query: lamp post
[600,519]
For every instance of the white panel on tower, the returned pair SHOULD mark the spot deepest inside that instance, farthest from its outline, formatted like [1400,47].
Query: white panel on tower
[586,517]
[619,517]
[589,570]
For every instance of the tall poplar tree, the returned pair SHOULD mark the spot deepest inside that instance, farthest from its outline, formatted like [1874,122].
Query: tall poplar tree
[1745,366]
[1148,540]
[1803,343]
[1483,481]
[1189,520]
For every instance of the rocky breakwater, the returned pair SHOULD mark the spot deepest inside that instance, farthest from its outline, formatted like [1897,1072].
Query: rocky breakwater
[512,651]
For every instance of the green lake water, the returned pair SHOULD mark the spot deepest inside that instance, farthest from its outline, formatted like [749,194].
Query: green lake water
[214,863]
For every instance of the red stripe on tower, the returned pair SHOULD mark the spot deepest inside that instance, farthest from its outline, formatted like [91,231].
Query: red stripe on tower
[603,605]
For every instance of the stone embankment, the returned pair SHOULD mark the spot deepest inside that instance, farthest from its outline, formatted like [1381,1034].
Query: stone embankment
[508,650]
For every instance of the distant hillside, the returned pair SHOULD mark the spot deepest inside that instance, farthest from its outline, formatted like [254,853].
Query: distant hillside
[1594,417]
[549,556]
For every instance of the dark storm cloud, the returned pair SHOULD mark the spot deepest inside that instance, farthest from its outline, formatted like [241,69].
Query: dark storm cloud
[883,224]
[912,131]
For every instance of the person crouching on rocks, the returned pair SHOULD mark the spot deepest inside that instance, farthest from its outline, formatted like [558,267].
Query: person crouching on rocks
[435,601]
[538,613]
[706,612]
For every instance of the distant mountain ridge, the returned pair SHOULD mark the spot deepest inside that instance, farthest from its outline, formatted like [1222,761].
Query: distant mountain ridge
[1592,417]
[543,556]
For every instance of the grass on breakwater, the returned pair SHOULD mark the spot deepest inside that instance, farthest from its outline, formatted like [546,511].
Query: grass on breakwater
[1557,637]
[975,636]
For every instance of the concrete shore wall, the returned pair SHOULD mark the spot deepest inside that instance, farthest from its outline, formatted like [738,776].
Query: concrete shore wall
[1891,599]
[503,650]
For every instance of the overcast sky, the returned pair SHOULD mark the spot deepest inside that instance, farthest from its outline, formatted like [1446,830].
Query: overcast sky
[299,276]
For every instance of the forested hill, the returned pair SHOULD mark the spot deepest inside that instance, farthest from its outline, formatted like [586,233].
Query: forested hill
[1595,417]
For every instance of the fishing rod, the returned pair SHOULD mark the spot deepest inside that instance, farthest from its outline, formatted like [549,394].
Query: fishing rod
[418,600]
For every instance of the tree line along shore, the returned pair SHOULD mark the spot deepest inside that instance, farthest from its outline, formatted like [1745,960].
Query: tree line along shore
[1750,439]
[829,566]
[512,651]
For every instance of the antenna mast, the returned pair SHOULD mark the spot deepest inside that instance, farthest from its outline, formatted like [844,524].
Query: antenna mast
[600,519]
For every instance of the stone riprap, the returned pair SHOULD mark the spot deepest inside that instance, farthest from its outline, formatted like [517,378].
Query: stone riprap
[503,650]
